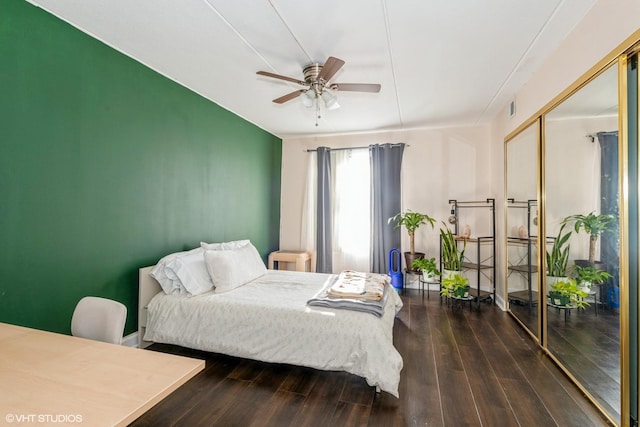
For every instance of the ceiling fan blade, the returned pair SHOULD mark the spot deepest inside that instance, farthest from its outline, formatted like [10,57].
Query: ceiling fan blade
[278,76]
[288,97]
[330,68]
[356,87]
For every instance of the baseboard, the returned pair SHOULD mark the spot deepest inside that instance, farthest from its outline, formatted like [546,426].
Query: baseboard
[130,340]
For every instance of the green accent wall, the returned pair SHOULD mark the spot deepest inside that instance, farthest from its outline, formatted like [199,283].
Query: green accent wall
[106,166]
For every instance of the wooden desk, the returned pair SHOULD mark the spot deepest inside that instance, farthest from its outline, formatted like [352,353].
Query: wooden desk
[44,374]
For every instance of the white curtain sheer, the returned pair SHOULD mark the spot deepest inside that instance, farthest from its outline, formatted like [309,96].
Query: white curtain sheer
[350,189]
[308,226]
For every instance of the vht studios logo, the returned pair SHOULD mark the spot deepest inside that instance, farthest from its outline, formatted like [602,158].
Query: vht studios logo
[44,418]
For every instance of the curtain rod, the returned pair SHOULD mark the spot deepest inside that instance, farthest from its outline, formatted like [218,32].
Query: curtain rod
[594,136]
[352,148]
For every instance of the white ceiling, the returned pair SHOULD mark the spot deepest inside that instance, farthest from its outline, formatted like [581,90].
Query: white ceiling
[440,62]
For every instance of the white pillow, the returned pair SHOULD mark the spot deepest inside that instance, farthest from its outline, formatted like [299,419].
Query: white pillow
[192,273]
[169,281]
[224,246]
[232,268]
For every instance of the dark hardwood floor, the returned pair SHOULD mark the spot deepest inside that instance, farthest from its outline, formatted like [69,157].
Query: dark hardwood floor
[589,346]
[462,367]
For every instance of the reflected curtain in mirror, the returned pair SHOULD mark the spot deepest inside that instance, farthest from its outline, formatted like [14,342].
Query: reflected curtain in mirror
[609,202]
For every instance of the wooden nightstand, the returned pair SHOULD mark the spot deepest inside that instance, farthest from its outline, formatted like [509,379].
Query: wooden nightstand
[301,259]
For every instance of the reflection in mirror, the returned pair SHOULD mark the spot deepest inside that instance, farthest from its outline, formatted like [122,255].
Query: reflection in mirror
[581,180]
[522,229]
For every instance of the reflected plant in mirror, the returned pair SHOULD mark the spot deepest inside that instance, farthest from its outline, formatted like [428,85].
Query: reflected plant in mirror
[558,256]
[567,293]
[594,225]
[589,276]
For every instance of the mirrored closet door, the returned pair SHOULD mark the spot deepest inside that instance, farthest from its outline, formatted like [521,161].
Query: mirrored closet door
[582,274]
[522,156]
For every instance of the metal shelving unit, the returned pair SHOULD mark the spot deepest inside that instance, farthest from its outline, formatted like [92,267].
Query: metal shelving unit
[525,265]
[482,263]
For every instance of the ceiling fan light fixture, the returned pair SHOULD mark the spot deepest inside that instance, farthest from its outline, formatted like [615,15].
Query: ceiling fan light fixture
[308,97]
[330,100]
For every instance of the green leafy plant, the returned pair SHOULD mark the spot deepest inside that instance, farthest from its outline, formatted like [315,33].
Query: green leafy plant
[451,256]
[411,221]
[594,225]
[591,275]
[455,285]
[427,265]
[567,292]
[559,256]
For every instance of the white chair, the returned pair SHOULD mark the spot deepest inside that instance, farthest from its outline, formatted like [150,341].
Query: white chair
[99,319]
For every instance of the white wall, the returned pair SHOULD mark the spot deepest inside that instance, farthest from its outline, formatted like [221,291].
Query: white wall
[573,174]
[603,28]
[438,165]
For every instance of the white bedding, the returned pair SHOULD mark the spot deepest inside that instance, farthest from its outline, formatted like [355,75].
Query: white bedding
[268,319]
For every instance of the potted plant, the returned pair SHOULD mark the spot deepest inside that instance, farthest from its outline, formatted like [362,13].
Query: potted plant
[455,285]
[588,276]
[558,257]
[594,225]
[411,221]
[428,268]
[567,293]
[451,256]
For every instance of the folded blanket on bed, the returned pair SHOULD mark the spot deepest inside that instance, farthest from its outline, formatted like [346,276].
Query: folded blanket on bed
[358,285]
[324,299]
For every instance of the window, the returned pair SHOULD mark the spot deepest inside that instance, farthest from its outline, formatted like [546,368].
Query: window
[351,210]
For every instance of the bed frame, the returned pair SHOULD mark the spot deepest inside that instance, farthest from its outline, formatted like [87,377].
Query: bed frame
[148,288]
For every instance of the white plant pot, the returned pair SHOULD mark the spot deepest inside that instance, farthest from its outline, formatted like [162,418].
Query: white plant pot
[446,273]
[428,276]
[586,287]
[551,280]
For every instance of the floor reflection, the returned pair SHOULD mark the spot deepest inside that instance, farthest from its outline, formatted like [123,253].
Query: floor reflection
[588,345]
[525,312]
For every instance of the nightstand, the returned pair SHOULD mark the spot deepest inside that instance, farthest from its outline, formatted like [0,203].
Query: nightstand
[300,258]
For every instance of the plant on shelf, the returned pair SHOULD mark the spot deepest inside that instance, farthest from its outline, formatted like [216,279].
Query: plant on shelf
[427,266]
[411,221]
[588,276]
[451,256]
[559,256]
[567,293]
[594,225]
[455,285]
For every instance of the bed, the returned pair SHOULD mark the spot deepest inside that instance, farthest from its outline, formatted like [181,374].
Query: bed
[268,319]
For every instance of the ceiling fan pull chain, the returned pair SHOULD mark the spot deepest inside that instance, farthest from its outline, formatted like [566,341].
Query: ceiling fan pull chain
[317,112]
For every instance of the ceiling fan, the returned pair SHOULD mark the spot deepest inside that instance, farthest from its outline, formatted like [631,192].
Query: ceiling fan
[317,86]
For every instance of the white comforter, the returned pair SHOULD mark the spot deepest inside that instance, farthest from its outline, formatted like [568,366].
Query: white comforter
[268,320]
